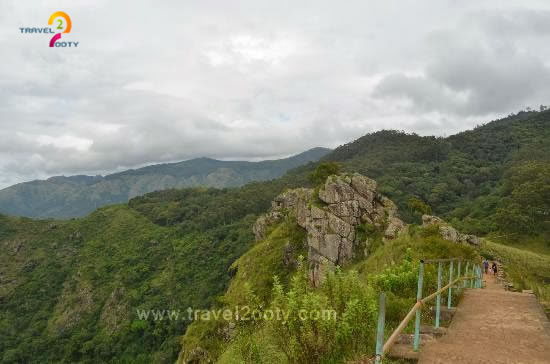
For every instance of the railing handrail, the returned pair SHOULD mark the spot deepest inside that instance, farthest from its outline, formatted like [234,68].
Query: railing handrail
[427,261]
[383,348]
[408,317]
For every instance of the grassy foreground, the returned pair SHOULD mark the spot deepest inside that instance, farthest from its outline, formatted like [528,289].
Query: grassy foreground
[264,283]
[525,268]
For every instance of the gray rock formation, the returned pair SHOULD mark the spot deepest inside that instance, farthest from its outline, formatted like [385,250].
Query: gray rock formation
[291,200]
[289,256]
[448,232]
[332,219]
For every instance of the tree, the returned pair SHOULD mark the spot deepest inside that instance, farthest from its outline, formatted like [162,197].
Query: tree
[322,171]
[417,205]
[325,325]
[526,209]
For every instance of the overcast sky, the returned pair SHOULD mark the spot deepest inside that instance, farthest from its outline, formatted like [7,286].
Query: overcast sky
[155,81]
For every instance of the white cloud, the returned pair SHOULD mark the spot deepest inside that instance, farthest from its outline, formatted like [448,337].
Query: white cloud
[252,79]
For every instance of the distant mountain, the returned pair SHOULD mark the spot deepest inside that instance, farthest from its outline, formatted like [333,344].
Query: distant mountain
[70,290]
[74,196]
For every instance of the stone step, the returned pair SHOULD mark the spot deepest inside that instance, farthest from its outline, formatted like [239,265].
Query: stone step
[403,347]
[434,331]
[404,352]
[445,314]
[408,339]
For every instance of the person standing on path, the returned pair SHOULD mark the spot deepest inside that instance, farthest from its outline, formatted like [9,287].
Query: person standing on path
[494,268]
[486,265]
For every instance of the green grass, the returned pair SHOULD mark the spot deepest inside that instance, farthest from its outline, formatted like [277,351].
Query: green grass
[253,346]
[526,269]
[539,244]
[256,268]
[254,272]
[73,287]
[265,259]
[390,265]
[420,243]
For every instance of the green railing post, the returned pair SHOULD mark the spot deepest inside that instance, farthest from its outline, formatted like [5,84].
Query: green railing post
[449,298]
[380,328]
[479,276]
[465,274]
[418,312]
[472,276]
[438,299]
[458,276]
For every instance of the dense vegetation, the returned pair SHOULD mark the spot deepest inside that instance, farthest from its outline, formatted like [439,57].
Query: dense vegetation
[69,290]
[526,269]
[265,284]
[467,177]
[66,197]
[492,178]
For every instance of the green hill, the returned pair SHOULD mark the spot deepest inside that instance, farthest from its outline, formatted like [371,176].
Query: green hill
[288,252]
[66,197]
[70,290]
[466,177]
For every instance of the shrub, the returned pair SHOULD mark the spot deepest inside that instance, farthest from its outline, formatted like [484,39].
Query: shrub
[322,171]
[398,279]
[327,324]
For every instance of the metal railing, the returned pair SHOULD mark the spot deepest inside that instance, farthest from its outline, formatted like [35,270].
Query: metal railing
[472,278]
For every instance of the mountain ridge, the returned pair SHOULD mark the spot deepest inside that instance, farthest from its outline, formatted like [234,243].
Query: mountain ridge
[78,195]
[69,289]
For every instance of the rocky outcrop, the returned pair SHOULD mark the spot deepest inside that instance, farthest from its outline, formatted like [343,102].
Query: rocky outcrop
[289,256]
[260,227]
[196,356]
[332,218]
[448,232]
[115,311]
[75,236]
[290,200]
[12,247]
[470,239]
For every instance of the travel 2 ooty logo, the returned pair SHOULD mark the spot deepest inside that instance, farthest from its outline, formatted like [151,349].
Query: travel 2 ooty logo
[60,23]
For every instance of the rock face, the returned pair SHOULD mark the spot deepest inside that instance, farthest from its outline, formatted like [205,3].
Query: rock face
[448,232]
[332,219]
[12,247]
[291,200]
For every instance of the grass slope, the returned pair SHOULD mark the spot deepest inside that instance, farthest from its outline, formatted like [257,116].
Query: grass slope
[461,177]
[69,289]
[391,268]
[526,269]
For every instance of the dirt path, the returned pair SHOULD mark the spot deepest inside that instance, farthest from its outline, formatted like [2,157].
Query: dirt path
[493,326]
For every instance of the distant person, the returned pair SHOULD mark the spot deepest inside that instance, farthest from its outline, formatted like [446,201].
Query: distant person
[494,268]
[486,266]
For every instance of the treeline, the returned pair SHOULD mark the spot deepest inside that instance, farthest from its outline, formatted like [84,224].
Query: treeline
[468,178]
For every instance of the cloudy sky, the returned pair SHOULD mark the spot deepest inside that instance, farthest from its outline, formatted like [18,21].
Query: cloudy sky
[155,81]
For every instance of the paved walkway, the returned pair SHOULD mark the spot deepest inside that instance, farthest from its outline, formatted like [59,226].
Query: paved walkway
[493,326]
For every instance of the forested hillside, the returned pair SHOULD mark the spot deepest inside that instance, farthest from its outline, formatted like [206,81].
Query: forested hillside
[467,177]
[75,196]
[69,290]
